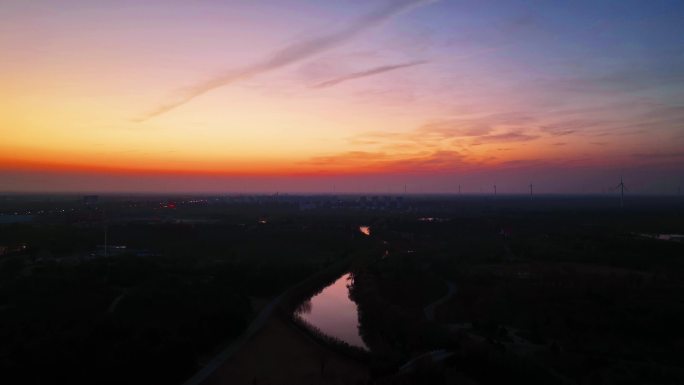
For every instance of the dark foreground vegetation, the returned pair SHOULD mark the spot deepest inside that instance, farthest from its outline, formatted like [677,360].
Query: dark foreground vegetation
[543,292]
[189,281]
[568,290]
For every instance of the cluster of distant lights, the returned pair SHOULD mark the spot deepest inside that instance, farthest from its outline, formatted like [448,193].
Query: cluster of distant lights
[164,205]
[37,212]
[433,219]
[173,204]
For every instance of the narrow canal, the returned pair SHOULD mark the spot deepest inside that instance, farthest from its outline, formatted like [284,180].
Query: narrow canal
[333,313]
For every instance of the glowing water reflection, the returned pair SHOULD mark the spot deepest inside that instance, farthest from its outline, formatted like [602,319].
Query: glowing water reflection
[332,312]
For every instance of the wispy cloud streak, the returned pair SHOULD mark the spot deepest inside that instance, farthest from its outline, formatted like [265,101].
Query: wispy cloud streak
[293,53]
[366,73]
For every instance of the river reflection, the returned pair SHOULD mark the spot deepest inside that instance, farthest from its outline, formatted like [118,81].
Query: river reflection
[332,312]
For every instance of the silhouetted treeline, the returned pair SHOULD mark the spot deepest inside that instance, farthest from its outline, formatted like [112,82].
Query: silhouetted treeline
[82,318]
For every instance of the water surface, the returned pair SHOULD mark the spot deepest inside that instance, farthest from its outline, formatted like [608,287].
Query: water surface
[332,312]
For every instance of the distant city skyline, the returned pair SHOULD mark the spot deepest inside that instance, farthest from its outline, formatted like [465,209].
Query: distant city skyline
[366,96]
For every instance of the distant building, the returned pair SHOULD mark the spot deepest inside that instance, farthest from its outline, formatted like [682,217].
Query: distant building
[111,250]
[90,199]
[307,206]
[44,255]
[12,219]
[119,250]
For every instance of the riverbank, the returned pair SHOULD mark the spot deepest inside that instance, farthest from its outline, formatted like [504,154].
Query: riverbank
[278,345]
[281,354]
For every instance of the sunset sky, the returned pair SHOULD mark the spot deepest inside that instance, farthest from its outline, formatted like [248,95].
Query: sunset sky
[363,95]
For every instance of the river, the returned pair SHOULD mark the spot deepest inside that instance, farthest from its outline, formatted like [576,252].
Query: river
[333,313]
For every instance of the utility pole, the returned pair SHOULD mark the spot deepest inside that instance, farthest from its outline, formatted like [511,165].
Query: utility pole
[105,235]
[105,241]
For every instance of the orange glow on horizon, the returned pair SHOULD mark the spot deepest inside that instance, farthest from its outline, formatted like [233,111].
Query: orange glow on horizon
[183,93]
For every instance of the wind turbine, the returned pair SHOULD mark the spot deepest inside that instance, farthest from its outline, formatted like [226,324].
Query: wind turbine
[531,191]
[622,188]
